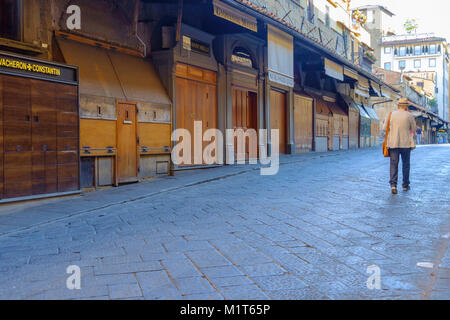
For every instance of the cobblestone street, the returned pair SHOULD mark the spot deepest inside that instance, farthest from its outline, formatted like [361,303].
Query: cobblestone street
[309,232]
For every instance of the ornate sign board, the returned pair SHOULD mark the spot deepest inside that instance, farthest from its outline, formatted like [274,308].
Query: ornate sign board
[231,14]
[31,68]
[196,46]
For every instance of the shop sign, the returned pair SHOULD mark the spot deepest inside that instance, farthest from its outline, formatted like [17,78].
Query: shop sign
[233,15]
[10,64]
[196,46]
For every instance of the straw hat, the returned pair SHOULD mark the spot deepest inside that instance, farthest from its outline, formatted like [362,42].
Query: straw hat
[403,102]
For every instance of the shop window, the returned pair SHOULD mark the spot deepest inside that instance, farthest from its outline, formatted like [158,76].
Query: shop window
[387,50]
[10,19]
[417,64]
[387,66]
[432,63]
[403,51]
[402,64]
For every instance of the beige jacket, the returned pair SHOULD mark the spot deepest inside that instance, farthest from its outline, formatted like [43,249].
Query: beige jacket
[400,135]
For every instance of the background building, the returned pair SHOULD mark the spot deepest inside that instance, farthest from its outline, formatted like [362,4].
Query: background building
[418,53]
[379,23]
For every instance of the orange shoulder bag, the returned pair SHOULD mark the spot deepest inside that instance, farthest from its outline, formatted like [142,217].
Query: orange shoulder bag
[385,149]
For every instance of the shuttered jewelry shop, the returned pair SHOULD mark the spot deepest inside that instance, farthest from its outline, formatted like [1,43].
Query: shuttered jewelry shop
[39,129]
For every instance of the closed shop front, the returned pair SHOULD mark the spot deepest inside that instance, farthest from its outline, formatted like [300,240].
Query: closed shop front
[303,123]
[125,125]
[196,92]
[339,127]
[278,117]
[280,67]
[39,126]
[190,74]
[241,55]
[353,126]
[365,128]
[324,128]
[374,127]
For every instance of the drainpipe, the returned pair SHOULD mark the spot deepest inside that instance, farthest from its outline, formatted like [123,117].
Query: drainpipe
[136,24]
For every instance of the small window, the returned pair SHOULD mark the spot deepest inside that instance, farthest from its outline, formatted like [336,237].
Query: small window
[10,19]
[403,51]
[432,63]
[387,66]
[433,49]
[402,64]
[417,64]
[387,50]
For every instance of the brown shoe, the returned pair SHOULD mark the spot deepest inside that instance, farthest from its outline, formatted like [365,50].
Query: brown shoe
[406,188]
[394,190]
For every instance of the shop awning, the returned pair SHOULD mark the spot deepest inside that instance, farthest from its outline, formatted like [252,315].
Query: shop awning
[335,109]
[350,73]
[333,69]
[139,79]
[350,102]
[112,74]
[280,46]
[363,87]
[363,112]
[372,114]
[97,76]
[375,88]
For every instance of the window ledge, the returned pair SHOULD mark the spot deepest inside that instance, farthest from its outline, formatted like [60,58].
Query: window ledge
[21,46]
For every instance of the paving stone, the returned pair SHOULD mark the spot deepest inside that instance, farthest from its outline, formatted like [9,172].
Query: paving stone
[124,291]
[128,268]
[311,231]
[246,292]
[265,269]
[188,286]
[279,282]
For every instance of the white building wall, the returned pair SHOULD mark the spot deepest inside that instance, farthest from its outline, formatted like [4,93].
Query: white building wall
[441,68]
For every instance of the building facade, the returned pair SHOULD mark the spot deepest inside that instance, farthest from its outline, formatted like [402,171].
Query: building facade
[144,68]
[420,53]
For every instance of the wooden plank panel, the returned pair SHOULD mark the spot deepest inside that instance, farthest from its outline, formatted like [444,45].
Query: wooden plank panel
[303,123]
[154,135]
[278,116]
[127,142]
[17,174]
[98,134]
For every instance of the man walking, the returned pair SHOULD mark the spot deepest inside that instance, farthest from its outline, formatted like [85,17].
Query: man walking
[400,142]
[419,135]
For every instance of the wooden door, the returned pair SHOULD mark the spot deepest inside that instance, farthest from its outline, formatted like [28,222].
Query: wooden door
[244,113]
[68,164]
[196,101]
[304,122]
[44,137]
[278,116]
[17,137]
[353,128]
[127,143]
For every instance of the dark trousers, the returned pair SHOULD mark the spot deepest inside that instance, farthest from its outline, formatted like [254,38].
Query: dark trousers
[406,161]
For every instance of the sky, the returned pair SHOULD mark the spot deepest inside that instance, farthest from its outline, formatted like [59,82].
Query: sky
[431,15]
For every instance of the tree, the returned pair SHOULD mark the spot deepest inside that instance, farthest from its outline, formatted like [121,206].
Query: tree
[433,103]
[411,25]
